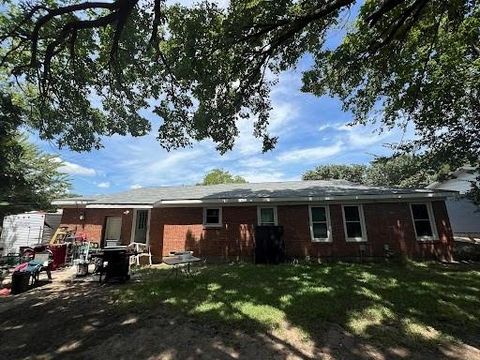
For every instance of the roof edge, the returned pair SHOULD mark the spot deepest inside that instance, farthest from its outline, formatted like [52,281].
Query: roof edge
[426,195]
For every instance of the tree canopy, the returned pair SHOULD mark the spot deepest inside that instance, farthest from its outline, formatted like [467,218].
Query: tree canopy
[29,179]
[219,176]
[89,69]
[407,171]
[353,173]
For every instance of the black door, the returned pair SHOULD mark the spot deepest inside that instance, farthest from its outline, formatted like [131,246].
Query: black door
[269,245]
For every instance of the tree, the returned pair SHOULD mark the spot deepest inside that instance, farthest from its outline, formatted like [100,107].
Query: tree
[29,179]
[424,71]
[219,176]
[474,193]
[87,69]
[406,171]
[353,173]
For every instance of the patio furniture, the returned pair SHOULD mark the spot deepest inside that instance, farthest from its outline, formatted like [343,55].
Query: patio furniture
[41,262]
[30,270]
[113,262]
[81,258]
[181,263]
[11,259]
[140,251]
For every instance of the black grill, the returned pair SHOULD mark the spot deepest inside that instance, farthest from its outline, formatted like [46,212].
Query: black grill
[269,245]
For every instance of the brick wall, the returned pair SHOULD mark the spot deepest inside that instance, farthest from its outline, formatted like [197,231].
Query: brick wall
[94,220]
[386,224]
[173,229]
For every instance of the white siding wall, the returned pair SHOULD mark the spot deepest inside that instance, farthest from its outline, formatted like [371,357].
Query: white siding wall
[21,230]
[464,215]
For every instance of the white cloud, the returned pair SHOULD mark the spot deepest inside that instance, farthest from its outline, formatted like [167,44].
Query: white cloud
[363,136]
[246,143]
[266,176]
[150,165]
[333,126]
[170,160]
[254,162]
[312,154]
[104,185]
[135,186]
[280,116]
[324,127]
[76,169]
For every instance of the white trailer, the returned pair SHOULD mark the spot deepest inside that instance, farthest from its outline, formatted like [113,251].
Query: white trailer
[27,229]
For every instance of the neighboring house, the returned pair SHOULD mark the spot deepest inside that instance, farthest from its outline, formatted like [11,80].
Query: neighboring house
[324,219]
[27,229]
[464,214]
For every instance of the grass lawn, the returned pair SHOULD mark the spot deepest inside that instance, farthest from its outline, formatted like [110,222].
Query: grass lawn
[415,306]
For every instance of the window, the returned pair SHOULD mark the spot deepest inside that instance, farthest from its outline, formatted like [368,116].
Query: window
[422,215]
[113,230]
[140,222]
[320,223]
[354,223]
[267,216]
[212,216]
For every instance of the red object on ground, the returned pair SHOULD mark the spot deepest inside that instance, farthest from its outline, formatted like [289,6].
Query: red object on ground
[59,253]
[4,292]
[20,267]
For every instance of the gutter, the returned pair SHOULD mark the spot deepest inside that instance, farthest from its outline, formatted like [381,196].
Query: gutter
[309,199]
[259,200]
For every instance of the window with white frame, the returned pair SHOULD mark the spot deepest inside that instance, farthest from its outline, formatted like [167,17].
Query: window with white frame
[320,223]
[354,223]
[212,216]
[424,224]
[267,216]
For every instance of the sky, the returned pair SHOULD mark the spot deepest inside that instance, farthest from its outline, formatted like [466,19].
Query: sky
[312,131]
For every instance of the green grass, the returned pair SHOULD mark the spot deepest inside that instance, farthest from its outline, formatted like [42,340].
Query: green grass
[414,305]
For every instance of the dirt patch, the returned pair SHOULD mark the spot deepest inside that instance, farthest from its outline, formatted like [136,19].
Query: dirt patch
[80,321]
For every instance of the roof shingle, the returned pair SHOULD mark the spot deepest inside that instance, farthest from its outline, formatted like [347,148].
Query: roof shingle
[284,190]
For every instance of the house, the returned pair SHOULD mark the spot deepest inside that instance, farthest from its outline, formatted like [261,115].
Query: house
[464,213]
[320,219]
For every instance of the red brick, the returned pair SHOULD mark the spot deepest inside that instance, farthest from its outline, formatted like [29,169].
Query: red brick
[94,220]
[173,229]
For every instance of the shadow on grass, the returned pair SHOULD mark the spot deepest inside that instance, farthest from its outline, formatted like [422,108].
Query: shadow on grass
[394,309]
[245,311]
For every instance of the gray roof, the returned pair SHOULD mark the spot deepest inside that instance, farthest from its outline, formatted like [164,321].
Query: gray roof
[252,191]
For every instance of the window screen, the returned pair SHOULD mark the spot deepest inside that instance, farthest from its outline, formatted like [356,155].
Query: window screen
[422,221]
[267,216]
[353,222]
[212,216]
[319,223]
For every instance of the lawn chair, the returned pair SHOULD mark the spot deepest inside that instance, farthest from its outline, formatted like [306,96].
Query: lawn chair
[140,251]
[41,262]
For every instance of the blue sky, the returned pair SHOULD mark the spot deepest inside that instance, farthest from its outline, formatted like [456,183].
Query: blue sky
[311,130]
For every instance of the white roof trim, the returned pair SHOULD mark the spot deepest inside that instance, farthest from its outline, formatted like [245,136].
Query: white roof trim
[67,203]
[305,199]
[119,206]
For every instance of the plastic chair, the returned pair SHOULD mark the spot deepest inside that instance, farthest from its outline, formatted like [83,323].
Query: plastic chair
[141,250]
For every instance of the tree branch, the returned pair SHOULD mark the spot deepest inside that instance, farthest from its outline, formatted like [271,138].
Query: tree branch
[299,22]
[384,7]
[52,13]
[401,26]
[124,11]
